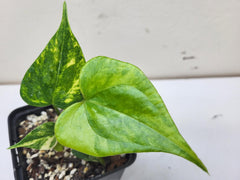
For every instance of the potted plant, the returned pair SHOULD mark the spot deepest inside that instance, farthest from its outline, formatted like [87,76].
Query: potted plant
[99,108]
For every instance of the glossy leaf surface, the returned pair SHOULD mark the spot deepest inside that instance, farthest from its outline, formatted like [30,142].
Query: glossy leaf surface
[53,79]
[121,112]
[41,138]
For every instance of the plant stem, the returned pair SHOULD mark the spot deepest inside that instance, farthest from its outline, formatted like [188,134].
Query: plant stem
[56,109]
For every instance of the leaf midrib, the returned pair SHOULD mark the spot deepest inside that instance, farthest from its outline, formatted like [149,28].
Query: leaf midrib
[59,64]
[84,104]
[89,99]
[151,146]
[65,27]
[32,142]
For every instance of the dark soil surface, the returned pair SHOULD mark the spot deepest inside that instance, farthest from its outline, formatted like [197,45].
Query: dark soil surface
[53,165]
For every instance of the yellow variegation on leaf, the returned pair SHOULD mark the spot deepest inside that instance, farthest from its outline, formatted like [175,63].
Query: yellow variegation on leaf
[41,138]
[53,79]
[111,107]
[121,112]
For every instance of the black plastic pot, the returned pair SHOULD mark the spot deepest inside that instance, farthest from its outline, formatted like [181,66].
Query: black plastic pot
[18,159]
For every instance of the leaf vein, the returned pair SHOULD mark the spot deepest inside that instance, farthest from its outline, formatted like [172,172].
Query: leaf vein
[138,122]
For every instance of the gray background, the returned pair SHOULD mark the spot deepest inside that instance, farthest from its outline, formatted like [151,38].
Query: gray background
[166,39]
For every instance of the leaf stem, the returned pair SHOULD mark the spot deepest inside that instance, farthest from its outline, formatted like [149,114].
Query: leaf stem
[56,109]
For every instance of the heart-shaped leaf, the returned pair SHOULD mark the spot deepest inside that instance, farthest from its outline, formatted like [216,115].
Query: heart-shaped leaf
[41,138]
[121,112]
[53,79]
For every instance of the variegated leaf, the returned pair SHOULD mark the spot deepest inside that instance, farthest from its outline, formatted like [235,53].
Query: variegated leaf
[53,79]
[41,138]
[121,112]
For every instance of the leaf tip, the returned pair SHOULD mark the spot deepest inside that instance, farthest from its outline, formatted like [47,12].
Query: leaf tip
[205,170]
[202,166]
[64,13]
[64,5]
[64,8]
[12,147]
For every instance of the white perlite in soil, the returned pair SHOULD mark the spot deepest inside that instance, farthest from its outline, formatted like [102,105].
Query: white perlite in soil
[53,165]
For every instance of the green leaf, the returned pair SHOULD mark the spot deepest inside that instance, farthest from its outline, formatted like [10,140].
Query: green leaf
[41,138]
[87,157]
[59,147]
[121,112]
[53,79]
